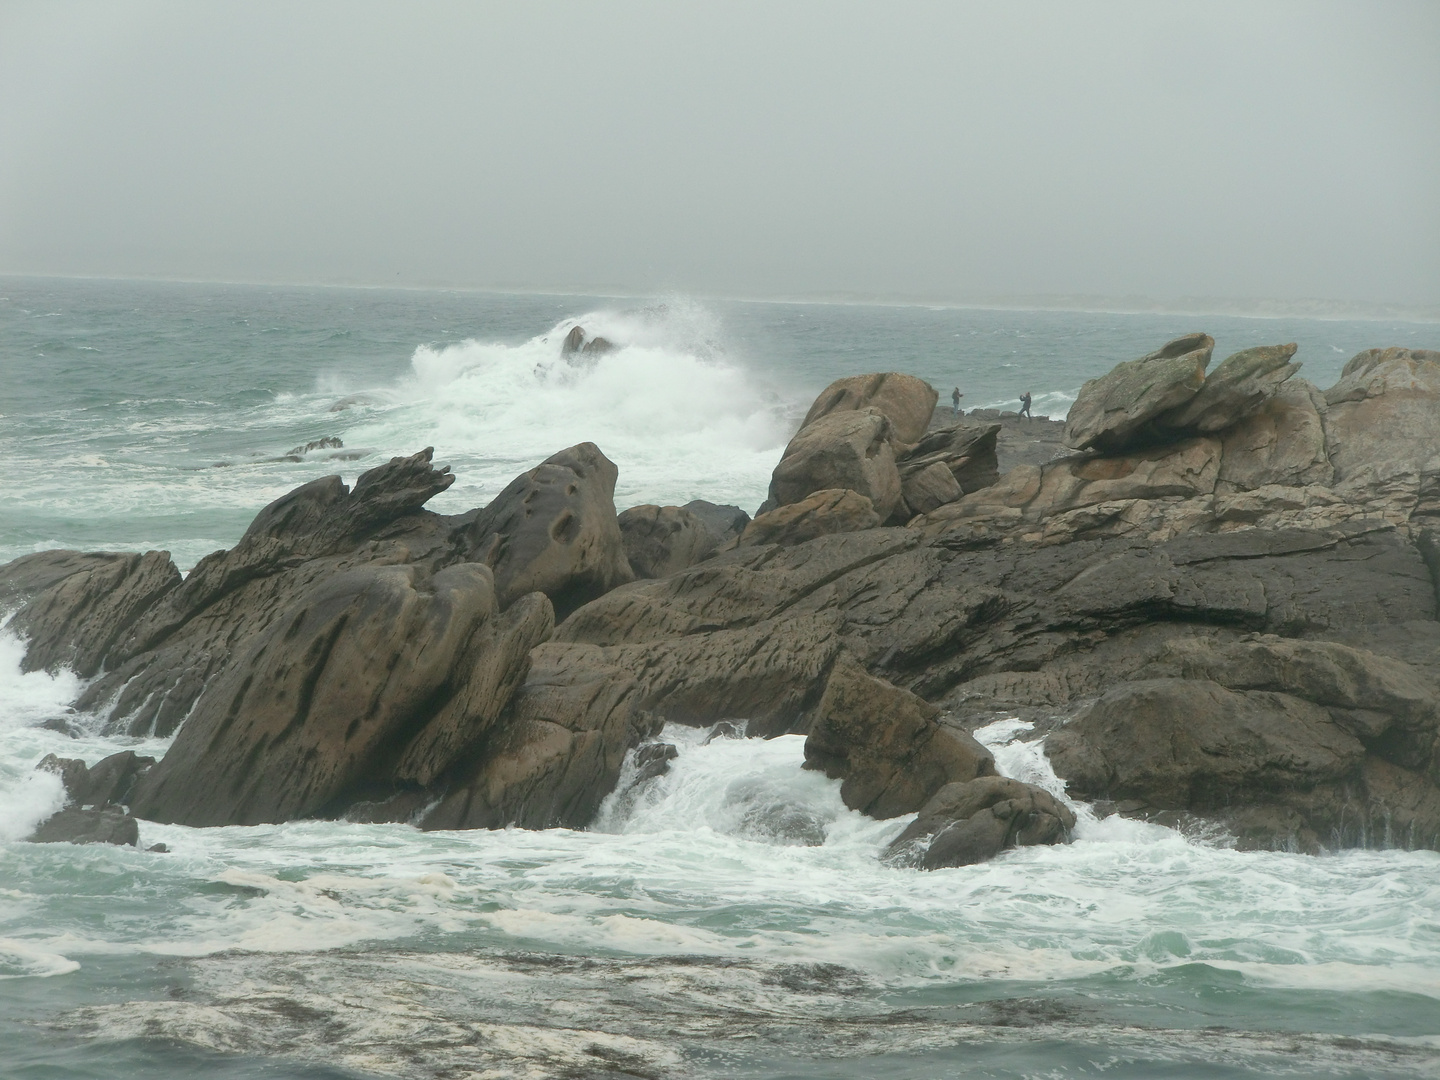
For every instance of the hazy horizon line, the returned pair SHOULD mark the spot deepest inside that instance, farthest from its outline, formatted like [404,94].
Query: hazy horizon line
[1317,308]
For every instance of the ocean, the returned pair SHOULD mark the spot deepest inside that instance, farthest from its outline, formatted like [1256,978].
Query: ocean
[728,919]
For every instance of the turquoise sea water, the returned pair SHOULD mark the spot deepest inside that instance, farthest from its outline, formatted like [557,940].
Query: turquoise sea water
[697,930]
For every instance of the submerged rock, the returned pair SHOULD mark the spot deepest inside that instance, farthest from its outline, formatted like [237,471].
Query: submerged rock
[972,821]
[77,825]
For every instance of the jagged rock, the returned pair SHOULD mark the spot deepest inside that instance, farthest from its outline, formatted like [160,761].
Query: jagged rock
[887,745]
[1114,411]
[972,821]
[77,607]
[109,781]
[558,751]
[724,523]
[660,540]
[553,530]
[317,519]
[598,346]
[653,759]
[847,449]
[1282,442]
[907,402]
[818,514]
[75,825]
[929,488]
[968,451]
[331,693]
[574,341]
[1235,389]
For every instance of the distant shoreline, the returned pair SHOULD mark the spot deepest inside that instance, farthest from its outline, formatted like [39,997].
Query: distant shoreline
[1197,306]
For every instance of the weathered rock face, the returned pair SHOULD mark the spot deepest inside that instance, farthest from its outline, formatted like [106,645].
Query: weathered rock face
[847,449]
[887,745]
[907,402]
[970,822]
[107,783]
[334,692]
[1283,442]
[1113,412]
[78,607]
[660,540]
[820,513]
[1234,390]
[1191,744]
[554,530]
[1383,430]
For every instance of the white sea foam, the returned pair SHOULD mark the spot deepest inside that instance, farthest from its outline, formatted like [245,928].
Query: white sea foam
[679,417]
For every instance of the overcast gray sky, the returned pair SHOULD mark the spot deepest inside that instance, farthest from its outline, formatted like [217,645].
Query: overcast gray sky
[936,150]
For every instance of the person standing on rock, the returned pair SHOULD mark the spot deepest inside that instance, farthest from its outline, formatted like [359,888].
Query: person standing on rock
[1025,404]
[955,397]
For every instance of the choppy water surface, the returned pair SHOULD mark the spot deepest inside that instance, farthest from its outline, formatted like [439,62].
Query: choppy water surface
[729,919]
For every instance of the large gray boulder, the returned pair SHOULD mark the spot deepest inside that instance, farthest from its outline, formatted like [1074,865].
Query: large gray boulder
[886,745]
[1115,411]
[553,530]
[847,449]
[973,821]
[660,540]
[907,402]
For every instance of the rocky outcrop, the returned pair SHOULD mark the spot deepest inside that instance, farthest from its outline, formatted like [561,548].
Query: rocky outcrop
[1236,628]
[553,530]
[1114,411]
[659,540]
[375,675]
[820,513]
[973,821]
[905,401]
[886,745]
[846,449]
